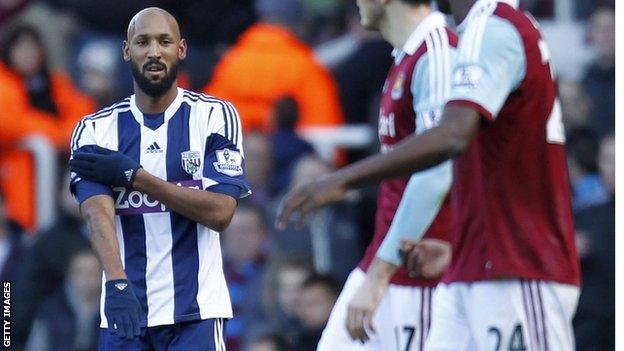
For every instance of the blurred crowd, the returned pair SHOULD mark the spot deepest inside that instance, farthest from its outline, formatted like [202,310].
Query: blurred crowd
[298,71]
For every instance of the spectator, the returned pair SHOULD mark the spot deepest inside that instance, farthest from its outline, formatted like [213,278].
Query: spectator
[359,61]
[315,302]
[287,147]
[599,79]
[538,8]
[583,8]
[595,317]
[259,167]
[283,287]
[333,234]
[46,262]
[110,17]
[587,187]
[322,21]
[210,26]
[44,102]
[97,63]
[361,73]
[11,246]
[8,9]
[575,106]
[69,320]
[269,62]
[267,342]
[244,244]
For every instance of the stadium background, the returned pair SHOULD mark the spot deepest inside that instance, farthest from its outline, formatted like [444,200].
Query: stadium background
[306,79]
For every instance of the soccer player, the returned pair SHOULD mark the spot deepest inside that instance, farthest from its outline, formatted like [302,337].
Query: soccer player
[157,176]
[414,94]
[513,280]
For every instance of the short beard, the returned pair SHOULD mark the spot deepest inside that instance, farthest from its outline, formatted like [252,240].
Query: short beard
[154,89]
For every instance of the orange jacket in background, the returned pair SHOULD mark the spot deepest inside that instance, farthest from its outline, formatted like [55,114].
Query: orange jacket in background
[267,63]
[17,120]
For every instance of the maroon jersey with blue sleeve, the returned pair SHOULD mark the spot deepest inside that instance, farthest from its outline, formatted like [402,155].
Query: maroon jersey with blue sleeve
[415,91]
[511,197]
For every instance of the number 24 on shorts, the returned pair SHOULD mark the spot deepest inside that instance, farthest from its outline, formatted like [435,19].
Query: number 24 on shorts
[516,343]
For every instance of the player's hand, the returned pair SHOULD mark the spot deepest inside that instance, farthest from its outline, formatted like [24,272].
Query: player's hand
[362,307]
[427,258]
[122,309]
[104,166]
[302,200]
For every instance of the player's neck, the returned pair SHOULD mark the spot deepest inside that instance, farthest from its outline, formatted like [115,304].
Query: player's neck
[158,104]
[460,9]
[401,22]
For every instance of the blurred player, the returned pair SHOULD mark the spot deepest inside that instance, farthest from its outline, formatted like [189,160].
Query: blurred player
[174,161]
[513,281]
[416,88]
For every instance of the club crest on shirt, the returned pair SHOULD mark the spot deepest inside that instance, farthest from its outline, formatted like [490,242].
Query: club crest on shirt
[229,162]
[397,87]
[191,161]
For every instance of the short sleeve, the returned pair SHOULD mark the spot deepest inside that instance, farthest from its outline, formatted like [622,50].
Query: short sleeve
[490,66]
[431,83]
[83,137]
[224,158]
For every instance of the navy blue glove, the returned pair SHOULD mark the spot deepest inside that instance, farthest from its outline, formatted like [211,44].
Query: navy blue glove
[104,166]
[122,309]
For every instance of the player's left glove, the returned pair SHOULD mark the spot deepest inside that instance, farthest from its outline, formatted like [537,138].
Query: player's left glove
[122,309]
[104,166]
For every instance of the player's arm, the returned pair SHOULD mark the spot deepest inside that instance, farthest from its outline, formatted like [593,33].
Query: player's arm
[121,306]
[96,206]
[482,81]
[222,179]
[421,201]
[211,209]
[450,138]
[99,214]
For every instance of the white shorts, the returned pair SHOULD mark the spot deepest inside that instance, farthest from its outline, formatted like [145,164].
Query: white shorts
[505,315]
[401,321]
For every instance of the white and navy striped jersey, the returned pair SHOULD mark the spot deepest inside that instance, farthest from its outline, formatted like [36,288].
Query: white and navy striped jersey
[173,262]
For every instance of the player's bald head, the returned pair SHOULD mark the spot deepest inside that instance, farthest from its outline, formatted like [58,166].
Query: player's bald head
[153,16]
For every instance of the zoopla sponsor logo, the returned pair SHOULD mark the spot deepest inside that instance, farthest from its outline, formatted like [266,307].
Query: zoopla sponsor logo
[135,202]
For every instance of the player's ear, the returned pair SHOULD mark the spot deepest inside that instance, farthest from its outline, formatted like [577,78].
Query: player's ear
[182,49]
[125,49]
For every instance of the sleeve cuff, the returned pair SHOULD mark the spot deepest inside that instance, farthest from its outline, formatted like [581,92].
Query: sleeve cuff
[84,189]
[226,189]
[474,105]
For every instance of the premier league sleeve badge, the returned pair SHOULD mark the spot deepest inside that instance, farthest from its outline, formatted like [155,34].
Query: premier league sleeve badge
[229,162]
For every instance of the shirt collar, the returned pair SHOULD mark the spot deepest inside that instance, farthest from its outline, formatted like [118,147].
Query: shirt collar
[479,6]
[169,112]
[434,19]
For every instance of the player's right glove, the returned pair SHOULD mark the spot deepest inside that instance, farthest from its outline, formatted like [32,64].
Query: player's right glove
[122,309]
[104,166]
